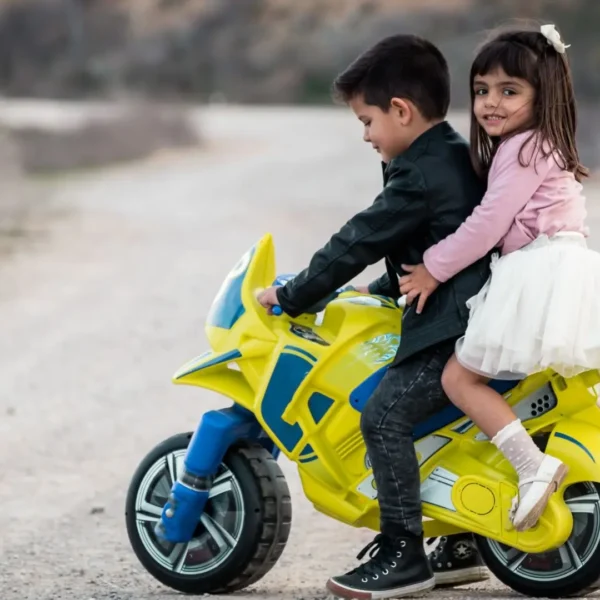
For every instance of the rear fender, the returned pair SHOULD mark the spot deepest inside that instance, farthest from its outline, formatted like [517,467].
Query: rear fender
[577,443]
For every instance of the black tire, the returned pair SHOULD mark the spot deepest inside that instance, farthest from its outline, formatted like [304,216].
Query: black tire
[264,524]
[584,540]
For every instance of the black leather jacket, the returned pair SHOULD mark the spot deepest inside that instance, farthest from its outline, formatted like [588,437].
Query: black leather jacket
[429,190]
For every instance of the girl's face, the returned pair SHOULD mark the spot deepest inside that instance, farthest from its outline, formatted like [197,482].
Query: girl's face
[502,104]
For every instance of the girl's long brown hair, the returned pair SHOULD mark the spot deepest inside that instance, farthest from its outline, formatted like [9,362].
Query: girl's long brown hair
[528,55]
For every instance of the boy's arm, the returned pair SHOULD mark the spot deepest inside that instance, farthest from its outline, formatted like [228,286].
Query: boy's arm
[380,286]
[511,186]
[385,286]
[364,240]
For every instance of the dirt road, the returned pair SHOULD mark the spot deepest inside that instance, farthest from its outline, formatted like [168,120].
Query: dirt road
[98,314]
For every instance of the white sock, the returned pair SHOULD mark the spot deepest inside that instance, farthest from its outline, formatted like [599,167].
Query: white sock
[519,449]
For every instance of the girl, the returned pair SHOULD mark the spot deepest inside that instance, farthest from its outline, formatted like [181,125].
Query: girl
[538,310]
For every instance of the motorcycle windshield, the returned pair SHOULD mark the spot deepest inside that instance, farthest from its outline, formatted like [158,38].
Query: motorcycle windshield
[228,307]
[235,307]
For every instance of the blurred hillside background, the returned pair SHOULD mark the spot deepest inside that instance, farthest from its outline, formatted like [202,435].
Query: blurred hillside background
[157,57]
[259,51]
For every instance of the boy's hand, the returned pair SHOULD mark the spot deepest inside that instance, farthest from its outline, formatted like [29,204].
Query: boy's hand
[419,282]
[268,298]
[362,289]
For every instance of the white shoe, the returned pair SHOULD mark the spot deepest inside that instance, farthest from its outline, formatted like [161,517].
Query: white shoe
[527,510]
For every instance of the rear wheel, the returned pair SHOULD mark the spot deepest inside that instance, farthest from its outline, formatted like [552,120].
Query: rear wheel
[241,533]
[566,571]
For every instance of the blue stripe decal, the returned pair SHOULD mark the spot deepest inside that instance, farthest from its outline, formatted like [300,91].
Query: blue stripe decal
[308,449]
[564,436]
[231,355]
[301,351]
[464,427]
[287,376]
[307,460]
[318,405]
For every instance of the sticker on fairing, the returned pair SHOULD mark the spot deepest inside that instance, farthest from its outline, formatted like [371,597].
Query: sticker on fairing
[307,333]
[368,487]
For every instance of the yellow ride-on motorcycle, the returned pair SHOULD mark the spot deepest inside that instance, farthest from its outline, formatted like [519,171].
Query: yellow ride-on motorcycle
[210,512]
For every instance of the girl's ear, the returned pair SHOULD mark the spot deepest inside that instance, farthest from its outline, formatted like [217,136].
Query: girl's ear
[402,109]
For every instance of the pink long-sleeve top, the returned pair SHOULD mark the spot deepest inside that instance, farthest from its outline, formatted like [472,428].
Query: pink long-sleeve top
[521,203]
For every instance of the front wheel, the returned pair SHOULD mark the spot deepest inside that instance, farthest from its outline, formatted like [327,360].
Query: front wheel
[241,533]
[566,571]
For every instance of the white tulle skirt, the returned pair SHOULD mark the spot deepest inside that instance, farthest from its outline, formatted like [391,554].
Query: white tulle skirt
[540,309]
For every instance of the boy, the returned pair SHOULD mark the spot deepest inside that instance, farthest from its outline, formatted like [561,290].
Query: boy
[399,90]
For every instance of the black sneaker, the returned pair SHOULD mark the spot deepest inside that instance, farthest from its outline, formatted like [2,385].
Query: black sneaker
[455,560]
[395,568]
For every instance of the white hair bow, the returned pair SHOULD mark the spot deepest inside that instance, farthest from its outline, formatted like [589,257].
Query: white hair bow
[553,37]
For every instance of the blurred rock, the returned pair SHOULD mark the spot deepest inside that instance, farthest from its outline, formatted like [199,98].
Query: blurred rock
[15,197]
[134,133]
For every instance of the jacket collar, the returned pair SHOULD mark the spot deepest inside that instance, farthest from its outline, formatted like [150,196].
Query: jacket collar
[433,134]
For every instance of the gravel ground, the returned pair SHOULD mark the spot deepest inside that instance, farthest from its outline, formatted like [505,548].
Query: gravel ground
[98,314]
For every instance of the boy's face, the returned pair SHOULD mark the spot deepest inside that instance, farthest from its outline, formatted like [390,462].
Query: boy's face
[388,132]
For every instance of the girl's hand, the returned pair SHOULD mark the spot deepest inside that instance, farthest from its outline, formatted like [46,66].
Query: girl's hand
[419,282]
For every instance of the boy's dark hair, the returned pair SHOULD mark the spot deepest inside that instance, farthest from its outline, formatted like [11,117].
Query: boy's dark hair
[526,54]
[399,66]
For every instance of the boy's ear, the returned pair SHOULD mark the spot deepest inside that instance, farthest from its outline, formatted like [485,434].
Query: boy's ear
[402,109]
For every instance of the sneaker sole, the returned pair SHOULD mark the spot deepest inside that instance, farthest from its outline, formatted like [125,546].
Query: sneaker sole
[461,576]
[414,589]
[533,516]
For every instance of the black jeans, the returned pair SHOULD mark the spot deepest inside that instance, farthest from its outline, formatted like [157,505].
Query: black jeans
[409,393]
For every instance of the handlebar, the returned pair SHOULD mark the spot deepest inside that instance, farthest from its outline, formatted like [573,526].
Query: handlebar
[319,306]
